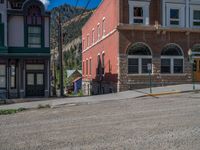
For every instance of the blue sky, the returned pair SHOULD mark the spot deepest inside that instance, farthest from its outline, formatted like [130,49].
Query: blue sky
[54,3]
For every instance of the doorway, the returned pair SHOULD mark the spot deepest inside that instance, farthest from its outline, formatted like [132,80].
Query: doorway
[35,84]
[197,69]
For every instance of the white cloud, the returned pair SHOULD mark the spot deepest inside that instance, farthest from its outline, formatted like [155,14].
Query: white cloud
[46,2]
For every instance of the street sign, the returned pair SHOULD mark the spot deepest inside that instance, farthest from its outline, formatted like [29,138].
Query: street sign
[149,67]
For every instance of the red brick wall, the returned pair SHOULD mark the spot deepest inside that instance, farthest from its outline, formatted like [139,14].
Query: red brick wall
[108,44]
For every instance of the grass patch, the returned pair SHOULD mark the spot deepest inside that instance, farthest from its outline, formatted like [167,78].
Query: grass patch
[43,106]
[11,111]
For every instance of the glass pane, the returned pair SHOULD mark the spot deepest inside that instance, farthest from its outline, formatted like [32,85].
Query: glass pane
[165,66]
[138,20]
[34,30]
[2,82]
[138,12]
[174,13]
[196,14]
[174,22]
[178,65]
[13,70]
[40,79]
[30,79]
[195,23]
[13,82]
[35,67]
[2,70]
[133,66]
[145,62]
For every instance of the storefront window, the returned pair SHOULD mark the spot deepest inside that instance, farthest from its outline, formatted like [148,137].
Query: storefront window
[13,76]
[2,76]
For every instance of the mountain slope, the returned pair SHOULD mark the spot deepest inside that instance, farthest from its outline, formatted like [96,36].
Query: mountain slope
[73,20]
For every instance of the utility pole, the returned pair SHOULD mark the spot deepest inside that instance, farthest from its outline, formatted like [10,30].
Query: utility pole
[60,42]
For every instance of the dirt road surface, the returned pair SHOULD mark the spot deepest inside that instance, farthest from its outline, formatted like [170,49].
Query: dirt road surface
[153,123]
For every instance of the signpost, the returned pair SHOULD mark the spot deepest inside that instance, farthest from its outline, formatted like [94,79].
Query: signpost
[191,59]
[149,68]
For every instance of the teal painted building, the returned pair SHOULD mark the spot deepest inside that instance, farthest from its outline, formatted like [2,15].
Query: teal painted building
[24,49]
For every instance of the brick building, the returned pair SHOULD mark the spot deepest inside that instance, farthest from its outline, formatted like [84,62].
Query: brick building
[24,49]
[123,36]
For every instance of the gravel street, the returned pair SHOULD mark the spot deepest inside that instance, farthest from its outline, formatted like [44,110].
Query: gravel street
[151,123]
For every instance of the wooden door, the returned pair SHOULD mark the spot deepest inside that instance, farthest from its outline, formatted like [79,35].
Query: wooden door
[197,69]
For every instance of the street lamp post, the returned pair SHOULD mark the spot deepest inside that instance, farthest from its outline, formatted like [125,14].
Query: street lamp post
[191,59]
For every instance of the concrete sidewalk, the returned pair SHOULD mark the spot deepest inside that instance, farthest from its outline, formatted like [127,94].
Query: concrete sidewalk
[100,98]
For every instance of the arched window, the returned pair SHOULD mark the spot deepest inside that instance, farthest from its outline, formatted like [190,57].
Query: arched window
[139,56]
[34,23]
[172,59]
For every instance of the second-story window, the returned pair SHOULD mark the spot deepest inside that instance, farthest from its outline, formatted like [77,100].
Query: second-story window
[139,12]
[93,35]
[104,27]
[98,31]
[196,18]
[0,18]
[174,17]
[34,36]
[34,22]
[138,15]
[88,41]
[1,1]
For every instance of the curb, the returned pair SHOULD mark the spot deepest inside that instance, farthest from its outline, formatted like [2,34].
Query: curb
[169,93]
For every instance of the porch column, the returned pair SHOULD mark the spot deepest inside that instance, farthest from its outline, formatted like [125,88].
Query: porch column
[21,79]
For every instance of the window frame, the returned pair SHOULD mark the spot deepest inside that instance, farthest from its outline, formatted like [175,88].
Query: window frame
[146,11]
[4,76]
[182,16]
[34,45]
[103,26]
[171,58]
[14,76]
[192,20]
[98,32]
[140,57]
[93,36]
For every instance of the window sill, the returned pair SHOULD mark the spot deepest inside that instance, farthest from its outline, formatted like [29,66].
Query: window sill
[139,74]
[174,74]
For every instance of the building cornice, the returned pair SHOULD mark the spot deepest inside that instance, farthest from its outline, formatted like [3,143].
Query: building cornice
[158,29]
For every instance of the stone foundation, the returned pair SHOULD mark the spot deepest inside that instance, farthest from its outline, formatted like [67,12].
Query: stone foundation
[130,82]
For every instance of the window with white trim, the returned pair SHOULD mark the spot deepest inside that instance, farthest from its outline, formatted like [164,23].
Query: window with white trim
[93,36]
[103,27]
[139,56]
[83,68]
[2,76]
[195,16]
[98,31]
[90,66]
[139,12]
[88,40]
[174,15]
[87,67]
[172,60]
[83,44]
